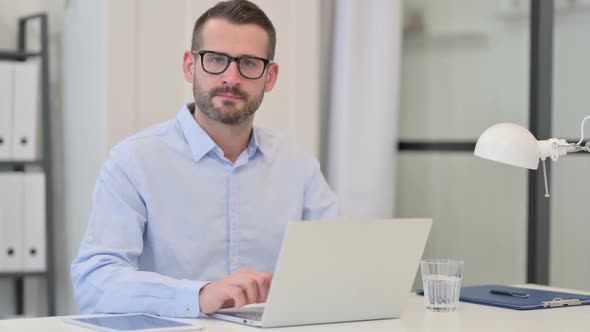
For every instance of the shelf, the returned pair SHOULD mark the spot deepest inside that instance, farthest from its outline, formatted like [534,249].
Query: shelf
[17,56]
[21,53]
[10,275]
[21,163]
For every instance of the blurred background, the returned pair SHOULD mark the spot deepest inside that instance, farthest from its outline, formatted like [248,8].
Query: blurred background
[390,96]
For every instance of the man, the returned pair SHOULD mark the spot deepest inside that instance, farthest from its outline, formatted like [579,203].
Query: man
[188,216]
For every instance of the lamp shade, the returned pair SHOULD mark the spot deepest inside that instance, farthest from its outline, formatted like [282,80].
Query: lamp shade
[510,144]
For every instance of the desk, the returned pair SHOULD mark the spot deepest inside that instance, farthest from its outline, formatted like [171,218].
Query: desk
[469,317]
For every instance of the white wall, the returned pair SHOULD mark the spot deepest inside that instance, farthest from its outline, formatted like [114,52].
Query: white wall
[85,51]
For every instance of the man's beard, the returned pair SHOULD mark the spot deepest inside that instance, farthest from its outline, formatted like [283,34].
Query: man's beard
[231,115]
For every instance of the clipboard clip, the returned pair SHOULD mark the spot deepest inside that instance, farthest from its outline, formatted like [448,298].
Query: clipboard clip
[559,302]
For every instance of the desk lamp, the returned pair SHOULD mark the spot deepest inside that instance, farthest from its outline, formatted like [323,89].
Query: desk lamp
[514,145]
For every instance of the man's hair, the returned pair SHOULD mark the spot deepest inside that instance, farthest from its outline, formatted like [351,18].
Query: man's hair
[237,12]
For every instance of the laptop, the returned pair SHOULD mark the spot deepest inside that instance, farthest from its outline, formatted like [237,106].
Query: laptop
[340,271]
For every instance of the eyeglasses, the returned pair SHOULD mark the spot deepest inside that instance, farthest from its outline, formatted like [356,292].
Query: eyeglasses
[250,67]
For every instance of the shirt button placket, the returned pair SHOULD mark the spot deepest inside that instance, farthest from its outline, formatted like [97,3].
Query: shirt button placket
[233,222]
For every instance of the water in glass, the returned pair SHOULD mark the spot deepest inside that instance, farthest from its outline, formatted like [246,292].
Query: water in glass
[441,292]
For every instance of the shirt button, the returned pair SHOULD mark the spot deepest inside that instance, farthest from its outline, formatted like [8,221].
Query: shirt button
[89,238]
[233,215]
[234,259]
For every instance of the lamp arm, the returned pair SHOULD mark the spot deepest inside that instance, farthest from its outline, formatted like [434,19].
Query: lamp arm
[554,148]
[573,147]
[582,130]
[557,147]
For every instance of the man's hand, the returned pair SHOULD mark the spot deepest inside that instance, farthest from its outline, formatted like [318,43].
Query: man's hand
[243,287]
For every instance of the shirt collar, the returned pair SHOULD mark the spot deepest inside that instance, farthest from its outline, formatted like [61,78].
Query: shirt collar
[254,144]
[200,142]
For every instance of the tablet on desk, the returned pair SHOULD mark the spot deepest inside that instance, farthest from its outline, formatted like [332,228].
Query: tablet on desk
[133,323]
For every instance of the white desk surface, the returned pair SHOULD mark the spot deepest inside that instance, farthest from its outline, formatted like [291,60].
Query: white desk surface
[469,317]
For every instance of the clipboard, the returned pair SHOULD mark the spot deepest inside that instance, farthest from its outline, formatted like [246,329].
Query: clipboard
[535,299]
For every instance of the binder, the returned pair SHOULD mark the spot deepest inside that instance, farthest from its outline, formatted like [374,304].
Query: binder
[521,298]
[26,119]
[11,208]
[34,247]
[6,100]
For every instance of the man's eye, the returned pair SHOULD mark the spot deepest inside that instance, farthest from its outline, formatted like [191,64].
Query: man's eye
[249,63]
[218,59]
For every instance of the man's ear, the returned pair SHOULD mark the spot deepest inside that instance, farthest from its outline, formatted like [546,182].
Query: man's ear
[188,65]
[273,74]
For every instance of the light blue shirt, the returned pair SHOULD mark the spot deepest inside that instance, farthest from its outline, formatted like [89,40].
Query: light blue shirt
[171,213]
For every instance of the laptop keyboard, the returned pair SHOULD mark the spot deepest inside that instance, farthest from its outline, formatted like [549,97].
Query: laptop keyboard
[254,314]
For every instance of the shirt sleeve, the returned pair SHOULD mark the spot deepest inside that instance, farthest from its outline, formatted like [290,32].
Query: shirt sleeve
[105,274]
[319,201]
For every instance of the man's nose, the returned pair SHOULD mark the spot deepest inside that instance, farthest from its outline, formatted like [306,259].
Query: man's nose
[231,75]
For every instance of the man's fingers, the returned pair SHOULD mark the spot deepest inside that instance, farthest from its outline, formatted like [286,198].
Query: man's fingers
[263,287]
[266,289]
[263,280]
[238,295]
[264,275]
[237,290]
[250,288]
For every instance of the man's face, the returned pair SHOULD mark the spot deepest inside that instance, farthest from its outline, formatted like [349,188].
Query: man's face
[229,97]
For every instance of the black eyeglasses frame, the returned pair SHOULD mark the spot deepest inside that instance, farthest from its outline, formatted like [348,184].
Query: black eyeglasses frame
[201,53]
